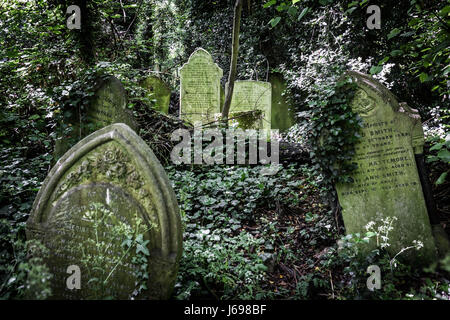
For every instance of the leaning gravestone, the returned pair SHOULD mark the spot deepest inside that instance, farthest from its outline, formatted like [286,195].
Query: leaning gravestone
[249,95]
[386,183]
[159,92]
[200,88]
[108,106]
[103,192]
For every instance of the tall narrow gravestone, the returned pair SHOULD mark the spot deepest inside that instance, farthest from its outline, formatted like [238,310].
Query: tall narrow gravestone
[387,183]
[249,95]
[107,208]
[158,91]
[200,88]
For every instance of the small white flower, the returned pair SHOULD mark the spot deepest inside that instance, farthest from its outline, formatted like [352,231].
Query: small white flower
[370,225]
[418,244]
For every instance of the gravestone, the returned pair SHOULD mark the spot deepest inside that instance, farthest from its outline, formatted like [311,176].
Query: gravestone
[105,189]
[250,95]
[200,88]
[108,106]
[387,183]
[159,91]
[282,117]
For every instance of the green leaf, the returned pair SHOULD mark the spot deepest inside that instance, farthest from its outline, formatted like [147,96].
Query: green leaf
[295,1]
[413,22]
[395,53]
[445,11]
[407,34]
[444,155]
[273,22]
[393,33]
[270,3]
[441,178]
[423,77]
[349,11]
[363,3]
[292,10]
[261,267]
[141,248]
[435,88]
[303,13]
[127,243]
[385,59]
[437,146]
[375,69]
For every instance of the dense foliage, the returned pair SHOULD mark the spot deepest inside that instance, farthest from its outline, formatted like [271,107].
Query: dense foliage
[282,224]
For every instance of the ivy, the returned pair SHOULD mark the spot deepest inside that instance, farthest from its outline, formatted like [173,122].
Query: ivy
[334,130]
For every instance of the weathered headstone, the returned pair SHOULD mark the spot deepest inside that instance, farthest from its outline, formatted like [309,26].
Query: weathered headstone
[386,183]
[108,106]
[282,116]
[249,95]
[159,91]
[98,197]
[200,88]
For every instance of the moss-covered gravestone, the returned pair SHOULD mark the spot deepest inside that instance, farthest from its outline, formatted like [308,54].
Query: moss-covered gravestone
[108,106]
[251,104]
[387,183]
[107,207]
[200,88]
[282,117]
[158,91]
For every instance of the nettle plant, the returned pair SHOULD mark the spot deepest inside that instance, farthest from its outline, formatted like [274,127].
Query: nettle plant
[378,230]
[351,253]
[100,264]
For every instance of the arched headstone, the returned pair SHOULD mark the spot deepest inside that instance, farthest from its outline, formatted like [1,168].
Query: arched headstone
[387,183]
[110,176]
[200,88]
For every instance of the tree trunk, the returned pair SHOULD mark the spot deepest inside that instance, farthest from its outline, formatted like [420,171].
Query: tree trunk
[234,55]
[85,35]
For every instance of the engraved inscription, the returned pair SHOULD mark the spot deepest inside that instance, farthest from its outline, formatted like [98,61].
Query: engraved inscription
[250,96]
[383,164]
[200,88]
